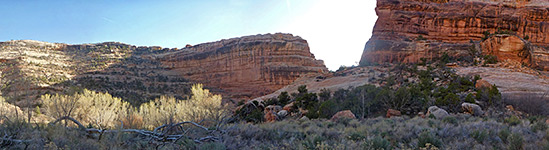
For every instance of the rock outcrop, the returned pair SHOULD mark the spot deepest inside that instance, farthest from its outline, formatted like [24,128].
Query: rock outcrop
[393,113]
[438,113]
[472,109]
[237,68]
[246,67]
[407,30]
[344,114]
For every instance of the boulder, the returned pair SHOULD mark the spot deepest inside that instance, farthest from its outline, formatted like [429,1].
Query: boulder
[271,113]
[393,113]
[483,84]
[282,113]
[345,114]
[439,113]
[472,109]
[421,114]
[289,107]
[510,108]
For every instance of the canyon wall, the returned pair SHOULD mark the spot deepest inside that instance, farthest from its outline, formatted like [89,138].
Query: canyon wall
[407,30]
[246,67]
[238,68]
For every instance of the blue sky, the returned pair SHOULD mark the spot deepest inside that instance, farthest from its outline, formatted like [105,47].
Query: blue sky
[336,30]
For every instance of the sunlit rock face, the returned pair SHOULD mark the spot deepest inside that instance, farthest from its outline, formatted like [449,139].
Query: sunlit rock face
[407,30]
[238,68]
[246,67]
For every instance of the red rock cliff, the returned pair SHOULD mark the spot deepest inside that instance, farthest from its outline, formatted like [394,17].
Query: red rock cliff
[407,30]
[246,67]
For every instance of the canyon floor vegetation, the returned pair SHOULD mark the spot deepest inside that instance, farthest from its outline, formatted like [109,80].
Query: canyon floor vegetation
[87,119]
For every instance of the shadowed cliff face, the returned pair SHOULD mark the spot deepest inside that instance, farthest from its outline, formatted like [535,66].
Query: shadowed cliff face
[407,30]
[245,67]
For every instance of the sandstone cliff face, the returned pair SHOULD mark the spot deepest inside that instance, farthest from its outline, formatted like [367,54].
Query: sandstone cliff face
[243,67]
[407,30]
[246,67]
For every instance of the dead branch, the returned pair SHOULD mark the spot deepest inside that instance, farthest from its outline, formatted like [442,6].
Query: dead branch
[15,140]
[68,118]
[179,124]
[150,134]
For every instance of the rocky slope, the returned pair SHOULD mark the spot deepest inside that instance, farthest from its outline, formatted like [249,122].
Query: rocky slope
[408,30]
[243,67]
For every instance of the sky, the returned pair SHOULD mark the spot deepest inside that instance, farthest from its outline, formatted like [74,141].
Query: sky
[335,30]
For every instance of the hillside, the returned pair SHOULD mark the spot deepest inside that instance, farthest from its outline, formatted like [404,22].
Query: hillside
[245,67]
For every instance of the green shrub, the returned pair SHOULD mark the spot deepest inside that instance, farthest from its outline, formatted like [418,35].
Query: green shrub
[539,126]
[427,137]
[450,120]
[512,120]
[355,136]
[504,134]
[378,143]
[420,38]
[283,98]
[327,109]
[212,146]
[469,98]
[479,136]
[491,95]
[314,142]
[490,59]
[515,142]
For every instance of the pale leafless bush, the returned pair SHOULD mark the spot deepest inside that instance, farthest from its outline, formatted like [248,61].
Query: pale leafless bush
[98,109]
[203,106]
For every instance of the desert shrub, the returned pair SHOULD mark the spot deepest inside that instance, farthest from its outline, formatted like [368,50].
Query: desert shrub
[314,142]
[539,126]
[356,136]
[58,106]
[378,143]
[504,134]
[427,137]
[420,38]
[469,98]
[132,119]
[8,112]
[515,142]
[479,135]
[490,59]
[491,96]
[203,106]
[283,98]
[212,146]
[450,120]
[445,58]
[512,120]
[99,109]
[450,102]
[327,109]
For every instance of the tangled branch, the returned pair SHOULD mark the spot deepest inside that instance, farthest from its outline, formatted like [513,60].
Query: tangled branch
[155,134]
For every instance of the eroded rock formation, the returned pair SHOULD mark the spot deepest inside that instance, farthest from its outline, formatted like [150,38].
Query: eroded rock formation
[245,67]
[408,30]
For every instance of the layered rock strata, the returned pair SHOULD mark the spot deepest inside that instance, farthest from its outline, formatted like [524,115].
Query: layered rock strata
[245,67]
[407,30]
[248,67]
